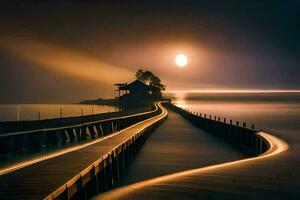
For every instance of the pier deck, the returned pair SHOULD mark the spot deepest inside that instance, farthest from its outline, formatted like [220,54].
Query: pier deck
[39,180]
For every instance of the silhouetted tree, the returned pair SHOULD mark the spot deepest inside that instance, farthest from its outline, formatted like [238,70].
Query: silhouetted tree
[149,78]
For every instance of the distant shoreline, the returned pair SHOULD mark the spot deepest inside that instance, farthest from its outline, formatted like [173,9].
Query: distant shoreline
[100,101]
[232,91]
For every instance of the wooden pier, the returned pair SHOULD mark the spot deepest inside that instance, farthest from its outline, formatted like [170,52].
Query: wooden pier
[82,173]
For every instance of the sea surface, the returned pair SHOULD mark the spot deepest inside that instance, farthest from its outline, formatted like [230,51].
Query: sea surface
[13,112]
[273,112]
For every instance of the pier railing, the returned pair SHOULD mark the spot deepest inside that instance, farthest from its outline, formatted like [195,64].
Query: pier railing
[102,174]
[27,125]
[60,136]
[237,134]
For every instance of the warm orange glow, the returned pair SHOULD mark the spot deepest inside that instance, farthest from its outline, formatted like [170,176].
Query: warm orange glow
[181,60]
[276,146]
[64,60]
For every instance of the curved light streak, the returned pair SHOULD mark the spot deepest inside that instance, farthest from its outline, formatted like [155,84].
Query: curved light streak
[276,146]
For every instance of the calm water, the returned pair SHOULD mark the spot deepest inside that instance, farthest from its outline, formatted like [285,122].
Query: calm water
[48,111]
[278,113]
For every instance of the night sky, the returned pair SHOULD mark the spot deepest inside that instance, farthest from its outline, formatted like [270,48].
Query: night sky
[66,51]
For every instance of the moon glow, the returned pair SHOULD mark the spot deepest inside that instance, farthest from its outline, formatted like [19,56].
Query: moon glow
[181,60]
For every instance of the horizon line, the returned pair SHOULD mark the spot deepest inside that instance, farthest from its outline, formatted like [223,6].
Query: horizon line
[232,91]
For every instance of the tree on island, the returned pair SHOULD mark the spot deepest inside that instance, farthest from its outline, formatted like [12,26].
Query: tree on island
[149,78]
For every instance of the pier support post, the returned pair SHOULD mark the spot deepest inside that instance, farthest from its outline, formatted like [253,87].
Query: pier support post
[92,131]
[83,135]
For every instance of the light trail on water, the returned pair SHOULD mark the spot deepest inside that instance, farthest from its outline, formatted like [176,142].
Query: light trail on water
[277,146]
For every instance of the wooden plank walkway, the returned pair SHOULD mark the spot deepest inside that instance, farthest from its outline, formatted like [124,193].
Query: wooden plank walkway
[41,179]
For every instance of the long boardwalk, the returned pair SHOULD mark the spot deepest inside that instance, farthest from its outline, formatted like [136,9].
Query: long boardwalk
[255,178]
[39,180]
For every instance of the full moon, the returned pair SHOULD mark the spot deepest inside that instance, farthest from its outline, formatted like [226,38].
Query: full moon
[181,60]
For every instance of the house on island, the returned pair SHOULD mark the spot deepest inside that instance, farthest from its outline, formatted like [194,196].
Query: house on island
[138,94]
